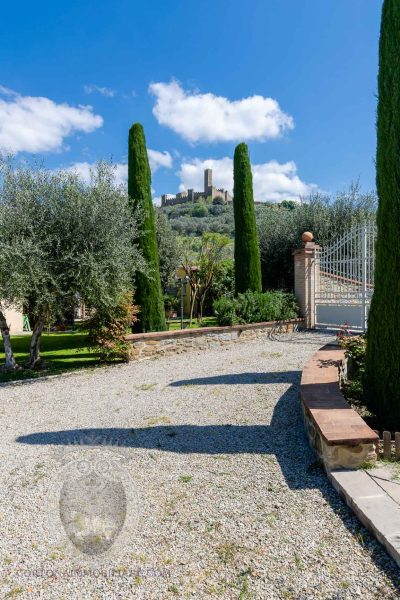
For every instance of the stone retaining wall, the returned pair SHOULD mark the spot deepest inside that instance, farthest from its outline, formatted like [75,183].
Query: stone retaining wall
[164,343]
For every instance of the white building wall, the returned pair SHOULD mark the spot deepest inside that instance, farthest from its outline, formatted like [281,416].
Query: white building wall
[15,320]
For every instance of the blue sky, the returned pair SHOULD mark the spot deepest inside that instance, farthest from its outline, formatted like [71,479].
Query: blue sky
[307,68]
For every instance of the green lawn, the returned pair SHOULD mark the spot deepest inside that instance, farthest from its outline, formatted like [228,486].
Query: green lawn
[206,322]
[60,352]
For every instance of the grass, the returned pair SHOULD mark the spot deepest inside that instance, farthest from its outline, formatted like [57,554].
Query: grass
[175,324]
[60,352]
[227,552]
[14,592]
[185,478]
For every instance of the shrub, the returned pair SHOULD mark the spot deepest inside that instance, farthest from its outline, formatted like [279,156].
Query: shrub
[199,210]
[216,209]
[107,329]
[170,302]
[224,310]
[255,307]
[355,351]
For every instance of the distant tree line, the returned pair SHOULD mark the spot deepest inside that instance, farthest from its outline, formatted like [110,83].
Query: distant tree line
[280,226]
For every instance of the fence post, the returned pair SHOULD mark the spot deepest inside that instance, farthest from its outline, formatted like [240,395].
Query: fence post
[306,277]
[364,275]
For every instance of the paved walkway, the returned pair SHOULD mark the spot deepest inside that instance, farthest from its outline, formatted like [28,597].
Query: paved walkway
[374,496]
[196,465]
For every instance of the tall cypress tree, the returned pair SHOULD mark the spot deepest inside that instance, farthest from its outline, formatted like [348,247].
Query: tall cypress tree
[148,293]
[383,347]
[247,251]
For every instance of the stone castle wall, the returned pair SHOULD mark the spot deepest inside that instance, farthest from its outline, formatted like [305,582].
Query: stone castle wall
[191,196]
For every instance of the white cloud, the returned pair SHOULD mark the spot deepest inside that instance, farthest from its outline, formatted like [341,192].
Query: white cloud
[104,91]
[191,173]
[159,159]
[209,118]
[84,170]
[156,159]
[37,124]
[272,181]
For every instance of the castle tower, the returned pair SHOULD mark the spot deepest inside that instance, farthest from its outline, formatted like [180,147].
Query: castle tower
[207,182]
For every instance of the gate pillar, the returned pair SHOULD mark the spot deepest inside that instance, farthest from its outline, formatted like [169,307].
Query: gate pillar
[306,277]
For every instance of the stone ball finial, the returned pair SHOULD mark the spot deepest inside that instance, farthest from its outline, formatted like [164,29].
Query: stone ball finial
[307,236]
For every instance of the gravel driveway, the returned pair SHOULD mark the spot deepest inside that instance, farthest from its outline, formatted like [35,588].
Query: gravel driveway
[198,468]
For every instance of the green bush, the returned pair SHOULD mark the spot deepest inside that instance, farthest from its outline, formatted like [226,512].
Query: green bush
[108,327]
[355,348]
[255,307]
[224,310]
[199,210]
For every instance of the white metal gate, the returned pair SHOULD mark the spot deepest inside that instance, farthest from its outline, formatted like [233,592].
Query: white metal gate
[344,279]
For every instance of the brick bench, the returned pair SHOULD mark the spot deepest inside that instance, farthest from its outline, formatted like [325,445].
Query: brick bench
[338,434]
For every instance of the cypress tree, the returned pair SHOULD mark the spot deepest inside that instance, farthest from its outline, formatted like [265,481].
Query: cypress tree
[247,251]
[148,294]
[383,338]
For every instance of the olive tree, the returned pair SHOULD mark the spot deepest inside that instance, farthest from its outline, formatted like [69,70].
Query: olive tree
[60,238]
[280,227]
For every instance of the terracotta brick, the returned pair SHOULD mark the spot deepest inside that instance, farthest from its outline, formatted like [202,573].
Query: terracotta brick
[325,405]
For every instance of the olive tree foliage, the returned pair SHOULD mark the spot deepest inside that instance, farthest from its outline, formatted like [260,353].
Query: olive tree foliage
[168,249]
[280,228]
[62,238]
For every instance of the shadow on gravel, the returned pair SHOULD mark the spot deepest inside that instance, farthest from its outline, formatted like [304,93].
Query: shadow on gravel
[241,379]
[284,437]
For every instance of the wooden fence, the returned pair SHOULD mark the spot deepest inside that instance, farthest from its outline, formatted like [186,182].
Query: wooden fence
[389,449]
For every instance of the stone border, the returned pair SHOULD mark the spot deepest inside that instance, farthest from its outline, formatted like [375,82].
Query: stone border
[338,434]
[372,505]
[343,442]
[163,343]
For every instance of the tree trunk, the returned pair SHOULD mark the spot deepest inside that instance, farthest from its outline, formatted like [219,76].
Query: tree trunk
[201,304]
[5,334]
[34,352]
[192,303]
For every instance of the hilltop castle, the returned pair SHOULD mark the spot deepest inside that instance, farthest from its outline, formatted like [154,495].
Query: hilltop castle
[191,196]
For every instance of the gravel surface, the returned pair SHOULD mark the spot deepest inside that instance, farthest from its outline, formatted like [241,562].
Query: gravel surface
[198,467]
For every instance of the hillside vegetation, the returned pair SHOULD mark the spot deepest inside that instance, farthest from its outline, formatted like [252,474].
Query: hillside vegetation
[279,225]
